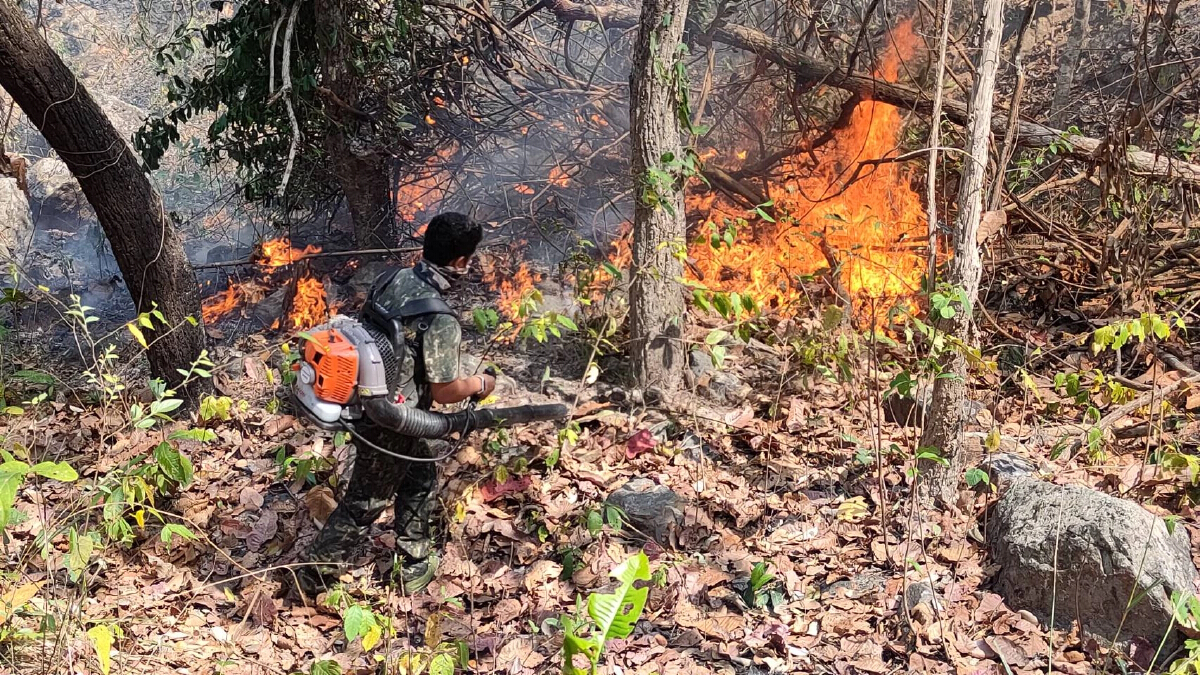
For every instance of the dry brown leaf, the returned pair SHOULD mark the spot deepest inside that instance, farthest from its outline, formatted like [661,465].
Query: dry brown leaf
[250,498]
[1007,651]
[320,503]
[540,572]
[507,610]
[263,531]
[14,599]
[990,223]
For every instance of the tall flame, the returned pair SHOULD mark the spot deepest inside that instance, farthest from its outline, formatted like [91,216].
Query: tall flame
[871,227]
[308,305]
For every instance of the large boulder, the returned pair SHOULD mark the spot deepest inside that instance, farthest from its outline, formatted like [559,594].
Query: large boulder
[16,222]
[1108,550]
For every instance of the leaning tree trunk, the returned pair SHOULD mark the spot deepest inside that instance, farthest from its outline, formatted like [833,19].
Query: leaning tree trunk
[362,172]
[144,241]
[659,223]
[945,421]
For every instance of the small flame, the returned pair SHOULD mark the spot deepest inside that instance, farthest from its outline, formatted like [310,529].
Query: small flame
[308,305]
[524,189]
[222,303]
[280,252]
[275,254]
[513,288]
[429,120]
[559,177]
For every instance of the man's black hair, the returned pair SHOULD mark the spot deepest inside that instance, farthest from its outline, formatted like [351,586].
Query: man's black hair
[451,235]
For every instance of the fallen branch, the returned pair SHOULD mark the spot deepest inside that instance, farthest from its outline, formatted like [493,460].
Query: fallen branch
[1124,410]
[1029,134]
[310,256]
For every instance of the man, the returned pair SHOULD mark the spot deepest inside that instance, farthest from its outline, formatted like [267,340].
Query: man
[430,375]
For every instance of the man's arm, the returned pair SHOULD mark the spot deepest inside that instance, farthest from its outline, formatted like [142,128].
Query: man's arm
[441,345]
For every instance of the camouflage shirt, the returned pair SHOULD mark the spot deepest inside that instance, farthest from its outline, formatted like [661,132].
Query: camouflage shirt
[439,341]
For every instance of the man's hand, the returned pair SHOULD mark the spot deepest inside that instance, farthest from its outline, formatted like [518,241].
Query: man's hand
[476,387]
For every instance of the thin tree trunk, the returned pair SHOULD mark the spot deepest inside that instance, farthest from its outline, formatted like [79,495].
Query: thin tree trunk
[361,171]
[659,224]
[1059,108]
[935,129]
[148,248]
[945,421]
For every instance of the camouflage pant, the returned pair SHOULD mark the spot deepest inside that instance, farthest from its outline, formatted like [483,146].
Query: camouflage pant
[375,480]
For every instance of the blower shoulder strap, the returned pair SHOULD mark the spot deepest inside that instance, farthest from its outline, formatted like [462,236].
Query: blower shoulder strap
[422,307]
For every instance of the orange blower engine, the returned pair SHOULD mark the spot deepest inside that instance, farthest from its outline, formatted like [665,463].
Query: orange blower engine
[342,365]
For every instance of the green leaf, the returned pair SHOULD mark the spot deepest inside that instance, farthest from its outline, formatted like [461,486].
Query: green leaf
[56,471]
[79,553]
[173,463]
[33,376]
[566,322]
[326,667]
[171,530]
[101,637]
[574,644]
[356,620]
[715,337]
[165,406]
[198,435]
[442,664]
[616,613]
[975,476]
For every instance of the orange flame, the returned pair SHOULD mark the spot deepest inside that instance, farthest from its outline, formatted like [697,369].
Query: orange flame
[559,177]
[221,304]
[276,253]
[280,252]
[425,187]
[308,305]
[871,226]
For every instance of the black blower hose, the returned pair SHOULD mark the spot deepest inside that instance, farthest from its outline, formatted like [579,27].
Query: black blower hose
[416,423]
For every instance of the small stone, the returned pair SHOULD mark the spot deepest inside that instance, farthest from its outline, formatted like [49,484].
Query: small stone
[650,509]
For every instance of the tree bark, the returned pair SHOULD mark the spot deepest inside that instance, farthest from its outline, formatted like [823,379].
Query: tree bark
[659,223]
[361,171]
[145,243]
[1065,80]
[1029,134]
[945,421]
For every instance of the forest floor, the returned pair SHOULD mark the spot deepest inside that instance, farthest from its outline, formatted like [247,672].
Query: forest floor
[804,478]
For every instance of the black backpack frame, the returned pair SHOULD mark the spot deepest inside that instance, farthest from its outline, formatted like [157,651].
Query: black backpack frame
[395,323]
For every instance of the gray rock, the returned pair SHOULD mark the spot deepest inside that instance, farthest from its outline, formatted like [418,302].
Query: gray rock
[16,222]
[1107,549]
[652,510]
[860,585]
[719,385]
[51,180]
[1005,468]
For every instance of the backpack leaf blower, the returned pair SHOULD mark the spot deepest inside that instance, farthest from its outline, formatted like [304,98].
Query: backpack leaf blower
[343,376]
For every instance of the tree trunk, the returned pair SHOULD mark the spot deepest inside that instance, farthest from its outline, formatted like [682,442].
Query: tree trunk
[945,421]
[659,223]
[360,170]
[1065,80]
[148,248]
